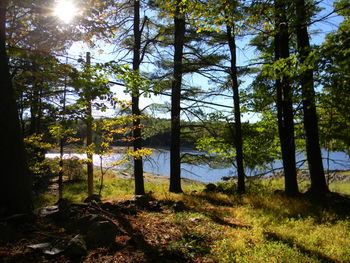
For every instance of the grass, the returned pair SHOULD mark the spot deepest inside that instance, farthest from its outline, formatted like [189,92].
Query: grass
[259,226]
[343,187]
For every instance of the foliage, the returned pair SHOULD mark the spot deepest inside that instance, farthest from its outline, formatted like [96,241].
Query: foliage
[260,142]
[334,78]
[36,147]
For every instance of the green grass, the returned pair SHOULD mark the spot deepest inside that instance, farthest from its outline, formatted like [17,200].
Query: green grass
[343,187]
[269,228]
[114,188]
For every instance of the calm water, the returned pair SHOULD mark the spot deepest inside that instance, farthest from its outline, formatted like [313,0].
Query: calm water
[159,163]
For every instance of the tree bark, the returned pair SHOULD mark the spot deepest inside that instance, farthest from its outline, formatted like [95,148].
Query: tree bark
[62,140]
[15,186]
[90,165]
[238,141]
[175,160]
[310,118]
[285,103]
[137,140]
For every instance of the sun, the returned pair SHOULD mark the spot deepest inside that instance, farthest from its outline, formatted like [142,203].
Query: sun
[65,10]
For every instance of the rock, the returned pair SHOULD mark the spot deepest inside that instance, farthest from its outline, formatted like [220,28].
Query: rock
[95,218]
[179,206]
[127,207]
[108,206]
[129,210]
[52,251]
[46,248]
[126,203]
[79,205]
[63,204]
[101,233]
[20,219]
[48,210]
[167,202]
[61,211]
[142,200]
[210,188]
[8,233]
[64,211]
[85,222]
[76,247]
[154,206]
[39,246]
[95,198]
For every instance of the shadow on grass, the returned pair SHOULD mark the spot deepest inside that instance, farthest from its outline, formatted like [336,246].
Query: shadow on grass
[214,200]
[308,252]
[152,253]
[303,205]
[315,207]
[335,203]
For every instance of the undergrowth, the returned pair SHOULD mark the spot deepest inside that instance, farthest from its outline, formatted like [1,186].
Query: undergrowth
[259,226]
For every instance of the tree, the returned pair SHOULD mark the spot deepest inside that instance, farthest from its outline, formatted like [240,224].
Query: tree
[89,120]
[175,162]
[310,118]
[90,83]
[15,187]
[284,99]
[238,141]
[219,22]
[137,140]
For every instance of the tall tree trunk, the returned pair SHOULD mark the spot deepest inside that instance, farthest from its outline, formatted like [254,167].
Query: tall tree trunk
[15,186]
[175,160]
[238,141]
[137,140]
[90,165]
[62,140]
[285,103]
[313,150]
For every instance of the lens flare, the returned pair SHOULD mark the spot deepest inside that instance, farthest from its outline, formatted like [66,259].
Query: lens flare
[65,11]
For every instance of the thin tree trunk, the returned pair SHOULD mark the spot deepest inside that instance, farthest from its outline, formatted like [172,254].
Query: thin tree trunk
[285,104]
[62,139]
[15,186]
[313,150]
[137,140]
[238,141]
[90,167]
[175,160]
[102,175]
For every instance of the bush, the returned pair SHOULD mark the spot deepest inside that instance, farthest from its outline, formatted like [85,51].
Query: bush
[73,168]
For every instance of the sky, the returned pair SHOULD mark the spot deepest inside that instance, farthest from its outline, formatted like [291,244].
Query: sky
[244,54]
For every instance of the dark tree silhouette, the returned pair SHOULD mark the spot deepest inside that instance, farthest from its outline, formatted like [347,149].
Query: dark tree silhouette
[175,161]
[238,142]
[313,150]
[15,186]
[285,102]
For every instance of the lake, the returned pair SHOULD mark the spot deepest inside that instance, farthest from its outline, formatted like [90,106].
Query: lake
[159,163]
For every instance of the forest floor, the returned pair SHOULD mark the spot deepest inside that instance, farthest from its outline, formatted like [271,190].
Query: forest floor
[199,225]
